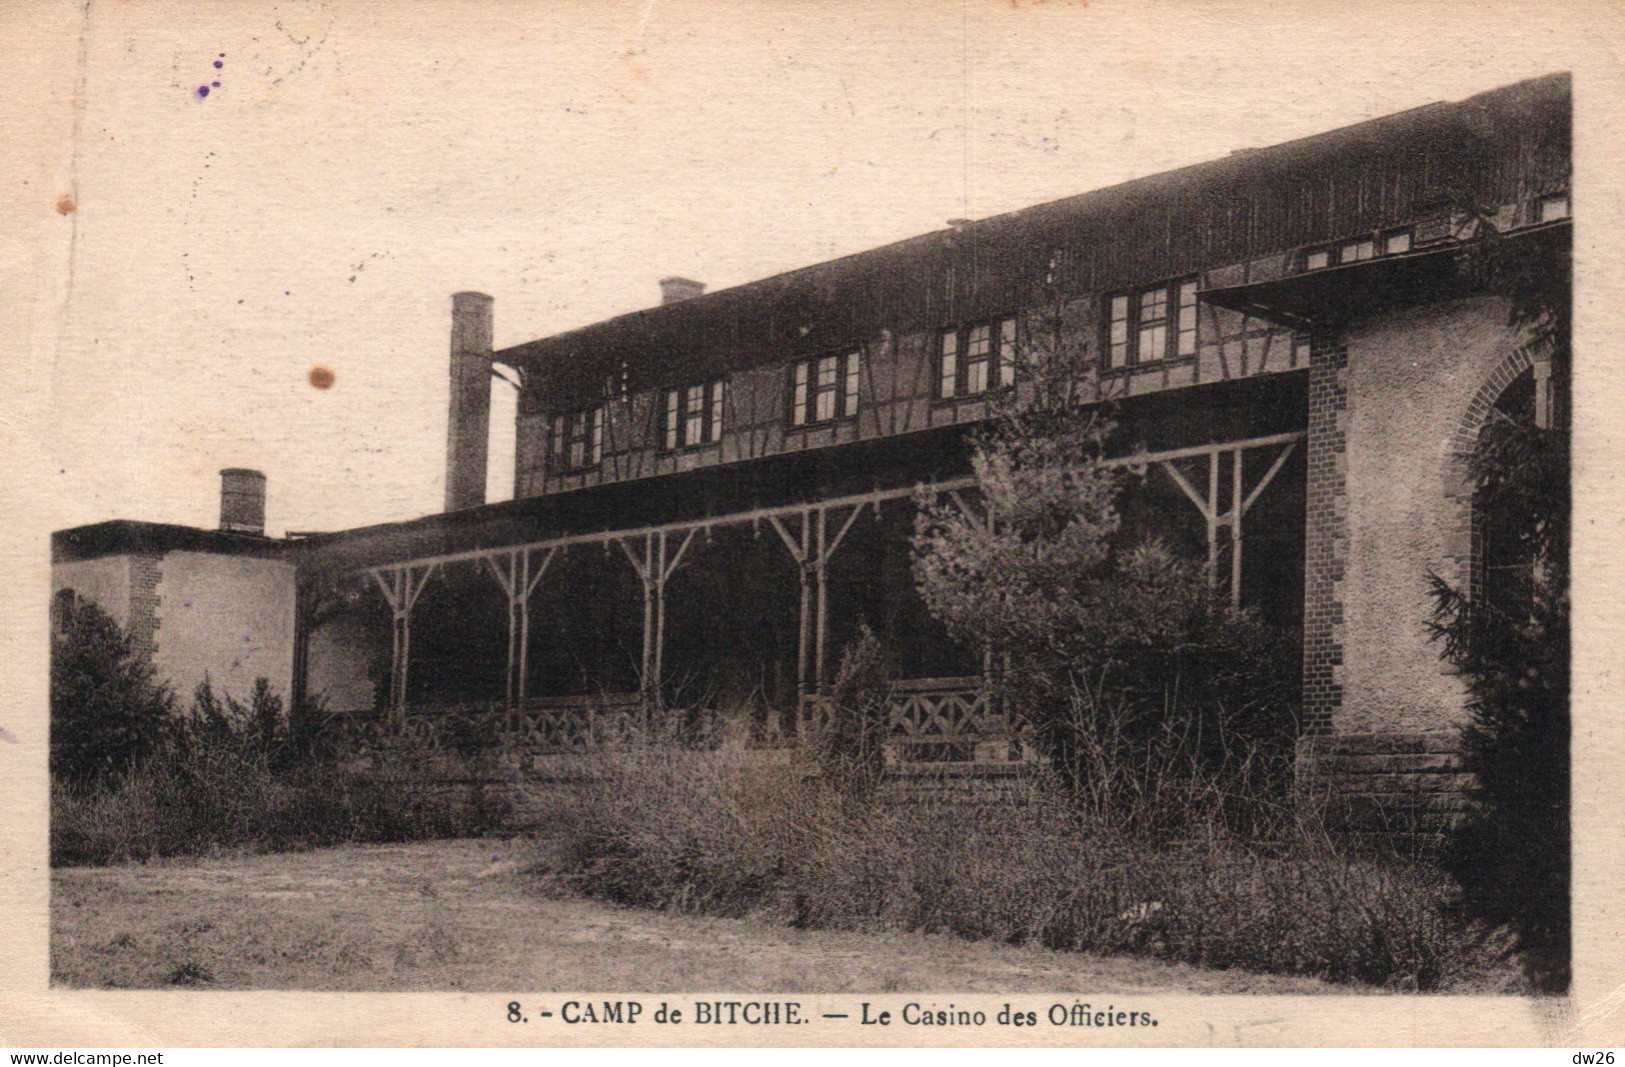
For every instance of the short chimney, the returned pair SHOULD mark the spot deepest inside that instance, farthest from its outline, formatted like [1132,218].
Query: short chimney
[242,501]
[468,420]
[674,289]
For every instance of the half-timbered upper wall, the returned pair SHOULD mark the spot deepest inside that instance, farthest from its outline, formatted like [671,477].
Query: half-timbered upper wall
[1247,217]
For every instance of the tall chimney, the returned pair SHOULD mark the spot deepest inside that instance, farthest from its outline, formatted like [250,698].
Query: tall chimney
[242,501]
[468,422]
[674,289]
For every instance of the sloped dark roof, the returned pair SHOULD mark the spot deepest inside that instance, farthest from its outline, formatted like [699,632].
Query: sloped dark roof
[1508,144]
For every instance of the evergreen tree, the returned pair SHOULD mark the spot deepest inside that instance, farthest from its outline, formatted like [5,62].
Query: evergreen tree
[107,711]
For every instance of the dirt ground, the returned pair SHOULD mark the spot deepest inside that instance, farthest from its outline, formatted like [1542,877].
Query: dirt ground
[465,915]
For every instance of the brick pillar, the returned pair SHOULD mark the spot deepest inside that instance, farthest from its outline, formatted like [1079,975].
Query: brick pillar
[1326,535]
[143,628]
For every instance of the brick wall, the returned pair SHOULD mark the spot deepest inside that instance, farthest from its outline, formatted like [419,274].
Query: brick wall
[1326,536]
[1391,788]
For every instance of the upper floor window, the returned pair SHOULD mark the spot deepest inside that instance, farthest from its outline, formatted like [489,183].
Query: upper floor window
[824,389]
[1357,250]
[1151,324]
[692,415]
[974,359]
[1552,208]
[578,439]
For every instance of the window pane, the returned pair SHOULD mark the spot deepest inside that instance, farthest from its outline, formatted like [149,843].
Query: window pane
[597,435]
[716,409]
[948,365]
[1356,251]
[1153,342]
[1187,319]
[1317,259]
[671,418]
[981,342]
[827,371]
[798,412]
[976,376]
[851,407]
[824,407]
[1153,306]
[1553,208]
[1395,243]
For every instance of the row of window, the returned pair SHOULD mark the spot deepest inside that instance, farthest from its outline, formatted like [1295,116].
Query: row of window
[1392,243]
[1141,326]
[973,360]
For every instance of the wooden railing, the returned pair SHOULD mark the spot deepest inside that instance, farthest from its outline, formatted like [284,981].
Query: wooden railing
[938,721]
[540,724]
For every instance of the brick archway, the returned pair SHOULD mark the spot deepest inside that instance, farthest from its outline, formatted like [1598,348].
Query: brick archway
[1457,564]
[1472,421]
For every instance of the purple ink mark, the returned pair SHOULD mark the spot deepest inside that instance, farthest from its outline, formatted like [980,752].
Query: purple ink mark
[7,735]
[218,64]
[215,84]
[202,91]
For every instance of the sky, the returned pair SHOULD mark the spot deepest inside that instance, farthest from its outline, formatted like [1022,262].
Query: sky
[354,164]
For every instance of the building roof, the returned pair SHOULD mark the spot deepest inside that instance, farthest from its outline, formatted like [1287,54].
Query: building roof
[1491,149]
[130,537]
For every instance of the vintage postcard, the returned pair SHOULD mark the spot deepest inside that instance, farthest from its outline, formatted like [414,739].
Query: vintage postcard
[728,522]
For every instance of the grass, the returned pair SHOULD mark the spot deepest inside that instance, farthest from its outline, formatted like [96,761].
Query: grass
[466,915]
[723,833]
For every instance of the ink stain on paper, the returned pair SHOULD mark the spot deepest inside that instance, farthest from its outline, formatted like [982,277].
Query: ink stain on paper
[321,377]
[65,205]
[202,91]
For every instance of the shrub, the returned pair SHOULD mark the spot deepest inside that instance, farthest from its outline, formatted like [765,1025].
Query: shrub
[107,711]
[1512,646]
[849,748]
[226,777]
[663,827]
[725,833]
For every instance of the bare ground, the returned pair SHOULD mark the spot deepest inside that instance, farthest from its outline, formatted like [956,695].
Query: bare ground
[467,915]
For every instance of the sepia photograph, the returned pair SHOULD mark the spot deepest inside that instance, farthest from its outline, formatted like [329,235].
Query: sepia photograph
[991,515]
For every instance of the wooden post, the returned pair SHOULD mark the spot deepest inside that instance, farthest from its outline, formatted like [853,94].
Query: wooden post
[648,613]
[1236,508]
[823,600]
[803,650]
[660,615]
[1212,515]
[518,581]
[799,551]
[401,591]
[531,581]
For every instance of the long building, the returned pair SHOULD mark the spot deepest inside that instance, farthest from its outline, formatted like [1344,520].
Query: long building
[713,493]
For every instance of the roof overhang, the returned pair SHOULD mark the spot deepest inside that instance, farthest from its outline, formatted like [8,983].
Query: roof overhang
[1328,299]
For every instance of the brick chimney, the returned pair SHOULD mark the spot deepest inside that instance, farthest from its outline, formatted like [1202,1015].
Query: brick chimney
[468,420]
[242,501]
[674,289]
